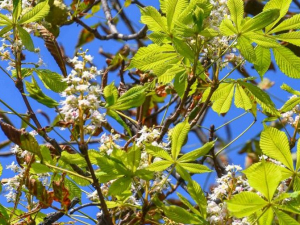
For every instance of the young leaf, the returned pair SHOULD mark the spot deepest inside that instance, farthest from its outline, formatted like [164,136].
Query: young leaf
[152,18]
[289,89]
[76,159]
[144,174]
[195,168]
[298,157]
[4,217]
[180,83]
[111,167]
[115,116]
[223,104]
[173,10]
[188,204]
[158,152]
[287,62]
[26,39]
[262,40]
[51,80]
[261,20]
[4,30]
[284,218]
[292,23]
[227,28]
[17,9]
[245,203]
[111,94]
[290,104]
[133,158]
[198,195]
[263,60]
[236,8]
[159,166]
[241,99]
[275,144]
[181,215]
[178,137]
[246,49]
[36,93]
[195,154]
[267,217]
[37,168]
[283,6]
[292,37]
[264,177]
[37,13]
[119,186]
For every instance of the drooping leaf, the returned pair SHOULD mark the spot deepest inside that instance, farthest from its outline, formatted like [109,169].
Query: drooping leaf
[51,80]
[26,39]
[245,203]
[37,13]
[110,166]
[133,158]
[53,48]
[236,8]
[264,177]
[261,20]
[76,159]
[287,62]
[263,60]
[4,217]
[274,143]
[178,137]
[198,195]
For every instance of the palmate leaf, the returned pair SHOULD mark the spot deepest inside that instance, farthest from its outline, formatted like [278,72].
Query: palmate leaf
[169,75]
[195,168]
[263,60]
[246,49]
[195,154]
[223,104]
[180,84]
[260,96]
[180,215]
[188,204]
[267,217]
[292,23]
[298,157]
[17,9]
[158,152]
[51,80]
[227,28]
[275,144]
[292,37]
[173,9]
[119,186]
[159,165]
[111,94]
[236,8]
[284,218]
[5,29]
[283,7]
[290,104]
[260,21]
[287,62]
[178,137]
[241,99]
[245,203]
[152,18]
[37,13]
[133,158]
[264,177]
[26,39]
[261,39]
[198,195]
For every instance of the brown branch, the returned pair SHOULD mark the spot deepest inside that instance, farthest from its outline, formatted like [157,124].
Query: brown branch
[83,206]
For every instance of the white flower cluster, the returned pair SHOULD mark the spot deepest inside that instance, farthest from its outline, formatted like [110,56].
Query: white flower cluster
[82,95]
[147,135]
[292,116]
[228,185]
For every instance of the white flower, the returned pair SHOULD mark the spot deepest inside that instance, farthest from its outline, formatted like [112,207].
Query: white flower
[88,58]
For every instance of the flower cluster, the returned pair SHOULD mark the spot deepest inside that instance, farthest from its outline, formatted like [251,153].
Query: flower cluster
[82,96]
[292,116]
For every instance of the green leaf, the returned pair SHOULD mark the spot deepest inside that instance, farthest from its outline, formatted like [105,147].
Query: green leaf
[169,74]
[4,30]
[115,116]
[173,10]
[159,166]
[134,97]
[296,185]
[289,89]
[298,157]
[188,204]
[262,40]
[180,84]
[37,168]
[195,154]
[183,173]
[209,32]
[37,13]
[110,166]
[241,99]
[275,144]
[5,20]
[260,96]
[263,60]
[267,217]
[25,72]
[17,9]
[158,152]
[144,174]
[264,177]
[285,219]
[292,37]
[290,104]
[152,18]
[223,104]
[198,195]
[111,94]
[127,3]
[51,80]
[236,8]
[74,190]
[292,23]
[245,203]
[195,168]
[4,217]
[287,62]
[36,93]
[282,6]
[180,215]
[246,49]
[227,28]
[46,155]
[261,20]
[1,169]
[133,158]
[183,48]
[26,39]
[178,137]
[29,143]
[76,159]
[119,186]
